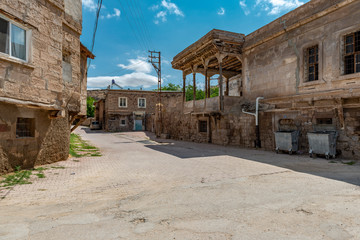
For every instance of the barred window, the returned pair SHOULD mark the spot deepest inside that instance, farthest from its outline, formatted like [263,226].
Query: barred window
[352,53]
[25,127]
[203,126]
[312,63]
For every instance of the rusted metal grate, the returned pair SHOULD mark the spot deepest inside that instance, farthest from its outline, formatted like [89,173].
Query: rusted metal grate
[203,126]
[25,127]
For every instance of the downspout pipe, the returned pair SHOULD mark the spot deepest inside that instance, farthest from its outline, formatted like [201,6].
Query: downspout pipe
[256,115]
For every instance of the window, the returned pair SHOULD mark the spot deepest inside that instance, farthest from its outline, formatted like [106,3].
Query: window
[13,40]
[66,66]
[142,102]
[352,53]
[312,63]
[122,102]
[123,122]
[203,126]
[324,121]
[25,127]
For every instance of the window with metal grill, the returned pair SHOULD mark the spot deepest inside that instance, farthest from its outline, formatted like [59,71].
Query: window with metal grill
[312,63]
[203,126]
[25,127]
[352,53]
[324,121]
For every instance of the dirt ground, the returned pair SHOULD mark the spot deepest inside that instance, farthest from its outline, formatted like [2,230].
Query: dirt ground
[143,189]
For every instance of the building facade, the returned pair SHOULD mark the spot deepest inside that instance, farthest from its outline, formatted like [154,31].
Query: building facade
[42,80]
[306,66]
[129,110]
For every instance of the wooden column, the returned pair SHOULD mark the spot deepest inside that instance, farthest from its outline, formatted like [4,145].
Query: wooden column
[206,82]
[227,87]
[205,62]
[209,87]
[221,86]
[184,87]
[194,84]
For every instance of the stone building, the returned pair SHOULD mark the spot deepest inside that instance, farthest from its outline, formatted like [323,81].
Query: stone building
[42,80]
[306,66]
[130,110]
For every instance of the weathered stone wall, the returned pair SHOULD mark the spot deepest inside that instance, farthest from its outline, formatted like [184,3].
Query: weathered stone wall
[50,33]
[97,94]
[275,68]
[53,28]
[49,144]
[231,128]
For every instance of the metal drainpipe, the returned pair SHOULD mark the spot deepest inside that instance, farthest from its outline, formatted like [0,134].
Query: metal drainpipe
[257,129]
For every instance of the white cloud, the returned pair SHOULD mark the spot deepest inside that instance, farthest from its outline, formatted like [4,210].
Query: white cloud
[154,7]
[138,65]
[116,13]
[92,66]
[172,8]
[221,11]
[89,5]
[275,7]
[136,79]
[244,7]
[162,16]
[166,8]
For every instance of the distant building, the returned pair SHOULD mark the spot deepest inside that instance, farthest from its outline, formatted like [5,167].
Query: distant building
[43,78]
[129,110]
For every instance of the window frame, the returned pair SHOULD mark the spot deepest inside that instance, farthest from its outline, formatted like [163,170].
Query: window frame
[32,126]
[28,34]
[314,64]
[126,102]
[353,54]
[200,126]
[304,65]
[122,119]
[139,102]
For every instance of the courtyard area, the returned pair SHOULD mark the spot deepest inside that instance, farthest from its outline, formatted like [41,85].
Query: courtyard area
[143,188]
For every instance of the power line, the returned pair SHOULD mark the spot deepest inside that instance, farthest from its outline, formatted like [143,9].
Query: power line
[143,22]
[141,45]
[137,22]
[99,5]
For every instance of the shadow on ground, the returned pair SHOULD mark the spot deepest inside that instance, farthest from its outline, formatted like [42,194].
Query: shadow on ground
[321,167]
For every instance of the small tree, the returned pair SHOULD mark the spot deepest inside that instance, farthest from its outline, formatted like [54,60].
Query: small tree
[189,93]
[171,87]
[214,92]
[90,107]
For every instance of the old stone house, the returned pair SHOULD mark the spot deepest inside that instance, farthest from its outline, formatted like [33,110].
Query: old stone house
[129,110]
[306,66]
[42,80]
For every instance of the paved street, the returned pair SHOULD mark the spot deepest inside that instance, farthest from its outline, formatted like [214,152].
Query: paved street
[142,189]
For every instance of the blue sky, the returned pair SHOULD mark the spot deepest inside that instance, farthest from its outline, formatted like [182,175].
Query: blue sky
[129,28]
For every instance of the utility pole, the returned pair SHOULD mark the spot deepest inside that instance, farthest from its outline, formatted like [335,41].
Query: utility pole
[155,60]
